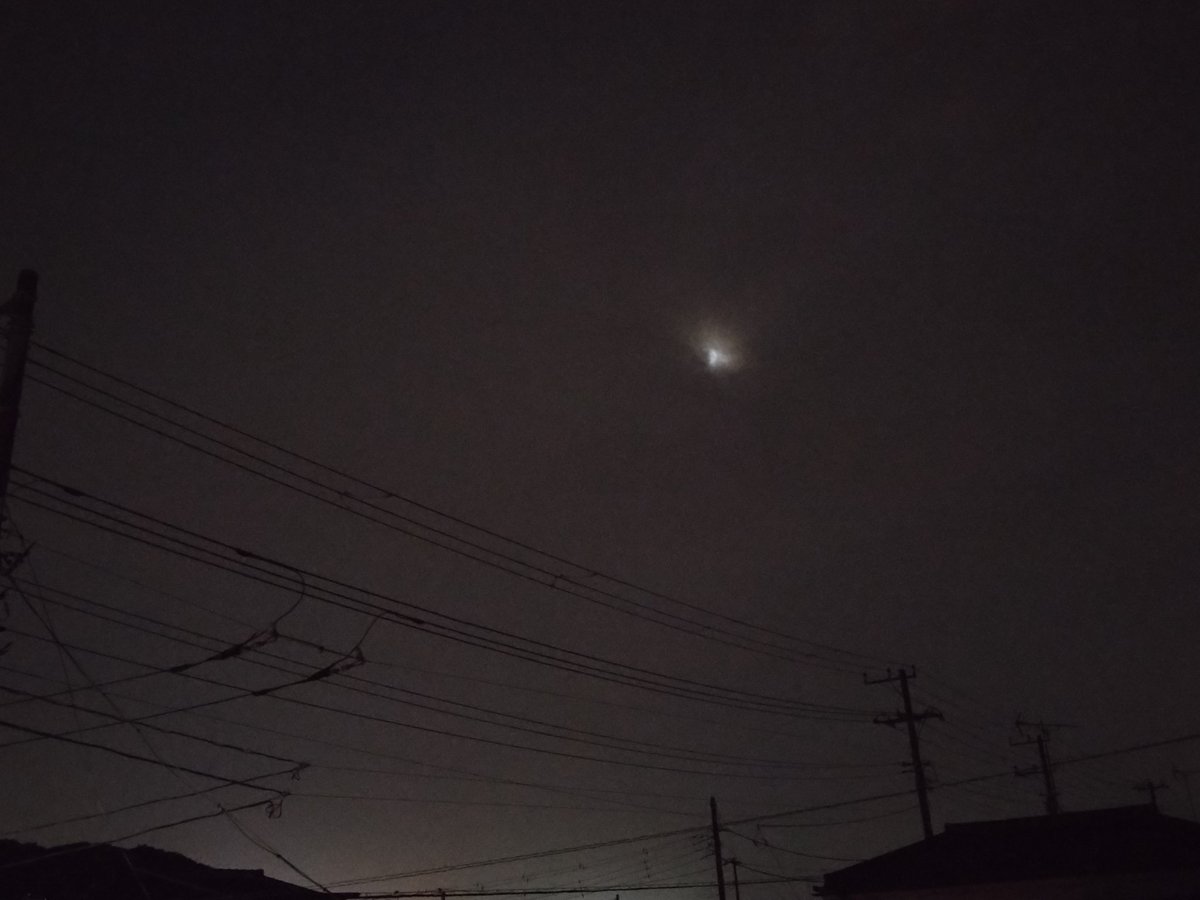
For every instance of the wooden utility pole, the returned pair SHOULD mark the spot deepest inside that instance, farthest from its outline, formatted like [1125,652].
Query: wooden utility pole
[911,719]
[1044,767]
[716,834]
[18,325]
[1185,775]
[737,887]
[1152,788]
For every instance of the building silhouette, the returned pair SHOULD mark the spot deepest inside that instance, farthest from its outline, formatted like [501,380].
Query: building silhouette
[1132,853]
[105,872]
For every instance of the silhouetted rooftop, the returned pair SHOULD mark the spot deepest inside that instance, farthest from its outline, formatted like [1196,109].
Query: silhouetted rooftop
[1098,842]
[105,872]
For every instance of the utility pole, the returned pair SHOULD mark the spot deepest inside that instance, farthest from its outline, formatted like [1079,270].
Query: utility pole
[911,719]
[1044,767]
[18,313]
[1152,788]
[737,887]
[716,833]
[1185,775]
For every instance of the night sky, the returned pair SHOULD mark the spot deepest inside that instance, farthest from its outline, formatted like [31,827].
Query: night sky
[480,256]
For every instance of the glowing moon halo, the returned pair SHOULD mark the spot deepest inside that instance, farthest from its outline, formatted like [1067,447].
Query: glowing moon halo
[716,358]
[716,348]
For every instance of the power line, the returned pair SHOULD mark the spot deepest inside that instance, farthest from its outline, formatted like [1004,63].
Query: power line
[777,704]
[535,574]
[408,725]
[144,803]
[655,749]
[386,493]
[344,601]
[257,841]
[120,716]
[1132,748]
[830,824]
[573,889]
[79,848]
[43,547]
[580,698]
[122,720]
[641,838]
[435,801]
[543,650]
[775,875]
[698,756]
[125,754]
[519,857]
[221,683]
[464,774]
[766,817]
[179,668]
[763,842]
[626,859]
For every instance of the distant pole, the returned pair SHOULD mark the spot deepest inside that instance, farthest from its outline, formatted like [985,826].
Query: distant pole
[914,746]
[716,833]
[1044,766]
[18,313]
[1048,776]
[1185,775]
[1152,788]
[737,887]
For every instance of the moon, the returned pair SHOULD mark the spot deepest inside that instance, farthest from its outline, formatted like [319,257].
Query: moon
[717,358]
[717,346]
[718,351]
